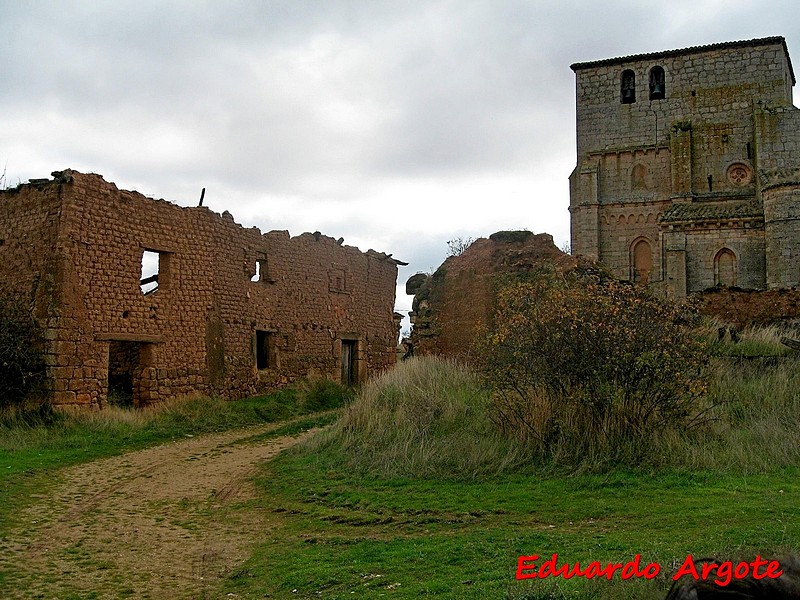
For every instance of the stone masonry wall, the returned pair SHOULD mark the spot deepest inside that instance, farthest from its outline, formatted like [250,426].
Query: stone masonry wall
[781,200]
[703,244]
[198,331]
[29,223]
[29,269]
[744,308]
[778,137]
[725,117]
[621,226]
[715,84]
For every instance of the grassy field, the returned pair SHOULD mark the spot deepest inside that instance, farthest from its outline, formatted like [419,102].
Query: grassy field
[393,501]
[342,534]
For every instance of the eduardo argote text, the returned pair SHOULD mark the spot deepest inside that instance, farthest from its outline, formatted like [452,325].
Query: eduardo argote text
[722,573]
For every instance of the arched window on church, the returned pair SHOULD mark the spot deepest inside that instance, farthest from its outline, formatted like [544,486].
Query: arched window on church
[725,268]
[641,261]
[658,84]
[628,87]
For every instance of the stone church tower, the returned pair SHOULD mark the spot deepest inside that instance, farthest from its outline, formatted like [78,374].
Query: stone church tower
[688,167]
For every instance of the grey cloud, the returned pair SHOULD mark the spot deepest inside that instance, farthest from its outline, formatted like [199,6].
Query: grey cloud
[329,102]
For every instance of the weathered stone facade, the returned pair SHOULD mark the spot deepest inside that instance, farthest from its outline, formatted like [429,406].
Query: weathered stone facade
[688,167]
[234,312]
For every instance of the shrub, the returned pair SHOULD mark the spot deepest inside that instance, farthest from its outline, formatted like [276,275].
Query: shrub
[589,367]
[22,365]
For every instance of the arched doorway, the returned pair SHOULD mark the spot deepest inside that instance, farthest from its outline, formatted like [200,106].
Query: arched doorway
[642,261]
[725,268]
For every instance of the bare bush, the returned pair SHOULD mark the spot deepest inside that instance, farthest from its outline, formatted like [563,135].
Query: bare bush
[22,366]
[590,367]
[458,245]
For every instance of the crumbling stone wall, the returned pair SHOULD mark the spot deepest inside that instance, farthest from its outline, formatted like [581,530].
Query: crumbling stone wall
[29,226]
[453,304]
[679,171]
[198,331]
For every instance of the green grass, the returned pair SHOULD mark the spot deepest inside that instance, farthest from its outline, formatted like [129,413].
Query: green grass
[340,533]
[426,417]
[410,495]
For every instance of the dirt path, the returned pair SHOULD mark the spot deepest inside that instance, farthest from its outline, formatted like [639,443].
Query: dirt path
[161,523]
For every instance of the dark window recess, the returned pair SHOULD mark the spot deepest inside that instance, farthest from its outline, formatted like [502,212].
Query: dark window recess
[128,376]
[710,183]
[628,87]
[749,150]
[263,349]
[642,262]
[658,84]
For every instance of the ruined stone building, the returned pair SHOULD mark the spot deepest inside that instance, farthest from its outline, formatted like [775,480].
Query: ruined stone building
[453,305]
[227,310]
[688,167]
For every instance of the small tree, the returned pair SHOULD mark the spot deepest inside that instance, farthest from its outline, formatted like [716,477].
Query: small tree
[22,365]
[590,366]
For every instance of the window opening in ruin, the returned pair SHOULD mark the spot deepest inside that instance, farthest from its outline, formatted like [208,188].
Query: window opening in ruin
[749,150]
[725,268]
[628,87]
[264,350]
[151,269]
[262,271]
[642,261]
[658,84]
[127,362]
[349,364]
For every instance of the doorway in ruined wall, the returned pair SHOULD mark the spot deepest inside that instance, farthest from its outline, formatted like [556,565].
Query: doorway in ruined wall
[128,382]
[350,374]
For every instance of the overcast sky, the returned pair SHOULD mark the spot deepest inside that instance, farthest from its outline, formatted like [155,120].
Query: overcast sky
[399,125]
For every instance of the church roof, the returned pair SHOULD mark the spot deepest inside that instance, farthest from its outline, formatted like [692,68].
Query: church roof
[708,211]
[767,41]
